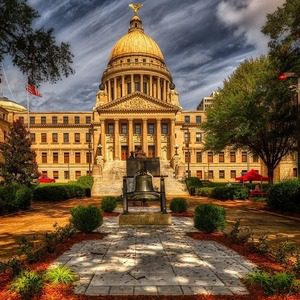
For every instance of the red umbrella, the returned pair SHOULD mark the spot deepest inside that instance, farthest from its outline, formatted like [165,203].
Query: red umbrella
[252,175]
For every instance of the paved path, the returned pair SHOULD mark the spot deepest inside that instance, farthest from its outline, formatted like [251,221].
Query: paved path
[155,261]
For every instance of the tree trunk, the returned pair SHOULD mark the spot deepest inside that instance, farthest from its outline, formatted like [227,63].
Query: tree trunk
[270,173]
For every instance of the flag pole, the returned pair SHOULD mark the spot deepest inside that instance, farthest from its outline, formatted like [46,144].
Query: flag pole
[28,107]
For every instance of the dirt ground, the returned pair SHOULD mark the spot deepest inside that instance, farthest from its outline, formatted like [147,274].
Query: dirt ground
[42,216]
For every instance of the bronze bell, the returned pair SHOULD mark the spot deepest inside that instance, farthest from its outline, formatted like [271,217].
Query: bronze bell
[143,183]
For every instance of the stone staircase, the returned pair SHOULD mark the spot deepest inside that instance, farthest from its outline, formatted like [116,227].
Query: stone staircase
[173,186]
[111,180]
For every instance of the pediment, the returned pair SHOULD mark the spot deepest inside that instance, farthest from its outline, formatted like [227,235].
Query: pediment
[137,102]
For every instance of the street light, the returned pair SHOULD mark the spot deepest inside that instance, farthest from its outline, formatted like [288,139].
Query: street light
[284,76]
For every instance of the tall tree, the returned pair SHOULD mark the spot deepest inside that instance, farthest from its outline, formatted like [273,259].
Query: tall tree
[19,164]
[33,51]
[283,28]
[254,110]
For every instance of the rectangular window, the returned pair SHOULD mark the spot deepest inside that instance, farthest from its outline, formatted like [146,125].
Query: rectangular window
[54,120]
[110,128]
[66,120]
[150,128]
[295,172]
[210,157]
[66,137]
[137,128]
[221,174]
[199,174]
[66,174]
[244,156]
[55,174]
[66,157]
[77,174]
[128,88]
[221,157]
[187,156]
[255,158]
[44,137]
[32,120]
[32,137]
[77,157]
[77,120]
[164,128]
[232,174]
[198,137]
[43,120]
[77,137]
[88,157]
[45,173]
[21,119]
[88,120]
[123,128]
[55,157]
[145,87]
[186,119]
[54,137]
[210,174]
[199,157]
[232,157]
[88,137]
[44,157]
[137,86]
[198,119]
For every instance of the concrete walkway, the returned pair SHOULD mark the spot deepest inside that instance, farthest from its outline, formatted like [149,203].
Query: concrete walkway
[155,261]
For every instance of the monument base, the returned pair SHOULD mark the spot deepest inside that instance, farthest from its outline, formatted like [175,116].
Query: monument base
[139,218]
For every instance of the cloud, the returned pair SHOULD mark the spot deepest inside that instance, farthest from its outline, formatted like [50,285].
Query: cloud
[247,19]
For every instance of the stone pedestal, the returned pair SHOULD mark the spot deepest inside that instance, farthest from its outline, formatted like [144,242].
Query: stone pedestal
[145,219]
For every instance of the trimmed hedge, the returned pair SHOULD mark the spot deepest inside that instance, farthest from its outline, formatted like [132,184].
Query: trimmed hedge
[108,203]
[285,196]
[209,218]
[86,181]
[194,183]
[58,192]
[178,205]
[230,193]
[204,191]
[86,218]
[14,197]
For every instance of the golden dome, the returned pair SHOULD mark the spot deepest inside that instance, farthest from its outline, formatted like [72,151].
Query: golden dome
[136,42]
[11,106]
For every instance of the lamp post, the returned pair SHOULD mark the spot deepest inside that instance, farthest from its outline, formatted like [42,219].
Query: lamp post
[284,76]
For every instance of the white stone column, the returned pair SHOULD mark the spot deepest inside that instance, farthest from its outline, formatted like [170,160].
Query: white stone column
[123,86]
[109,90]
[116,140]
[115,88]
[145,137]
[158,89]
[151,86]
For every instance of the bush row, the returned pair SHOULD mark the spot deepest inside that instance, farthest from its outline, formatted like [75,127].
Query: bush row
[285,196]
[14,198]
[58,192]
[229,192]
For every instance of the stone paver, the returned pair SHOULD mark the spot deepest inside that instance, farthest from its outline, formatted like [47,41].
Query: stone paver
[155,261]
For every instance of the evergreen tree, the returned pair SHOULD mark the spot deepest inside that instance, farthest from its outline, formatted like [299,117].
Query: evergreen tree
[33,51]
[19,164]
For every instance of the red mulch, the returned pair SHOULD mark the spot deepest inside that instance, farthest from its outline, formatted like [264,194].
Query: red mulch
[188,214]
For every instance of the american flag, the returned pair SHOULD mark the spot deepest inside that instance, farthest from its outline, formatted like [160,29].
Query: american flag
[33,90]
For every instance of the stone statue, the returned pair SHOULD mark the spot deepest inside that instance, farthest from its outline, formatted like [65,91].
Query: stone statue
[100,163]
[135,7]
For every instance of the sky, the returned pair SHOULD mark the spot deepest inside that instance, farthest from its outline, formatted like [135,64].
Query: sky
[203,41]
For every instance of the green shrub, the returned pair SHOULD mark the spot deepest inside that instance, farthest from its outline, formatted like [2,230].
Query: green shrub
[204,191]
[229,193]
[60,275]
[8,198]
[284,251]
[27,248]
[86,181]
[23,197]
[14,264]
[239,234]
[57,192]
[284,196]
[178,205]
[86,218]
[28,284]
[279,283]
[209,218]
[108,204]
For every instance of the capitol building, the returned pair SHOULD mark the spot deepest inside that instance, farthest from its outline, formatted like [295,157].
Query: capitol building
[137,108]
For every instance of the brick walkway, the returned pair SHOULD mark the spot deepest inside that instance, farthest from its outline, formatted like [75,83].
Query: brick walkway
[155,261]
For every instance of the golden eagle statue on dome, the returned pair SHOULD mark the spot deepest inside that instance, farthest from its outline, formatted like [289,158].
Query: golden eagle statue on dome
[135,7]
